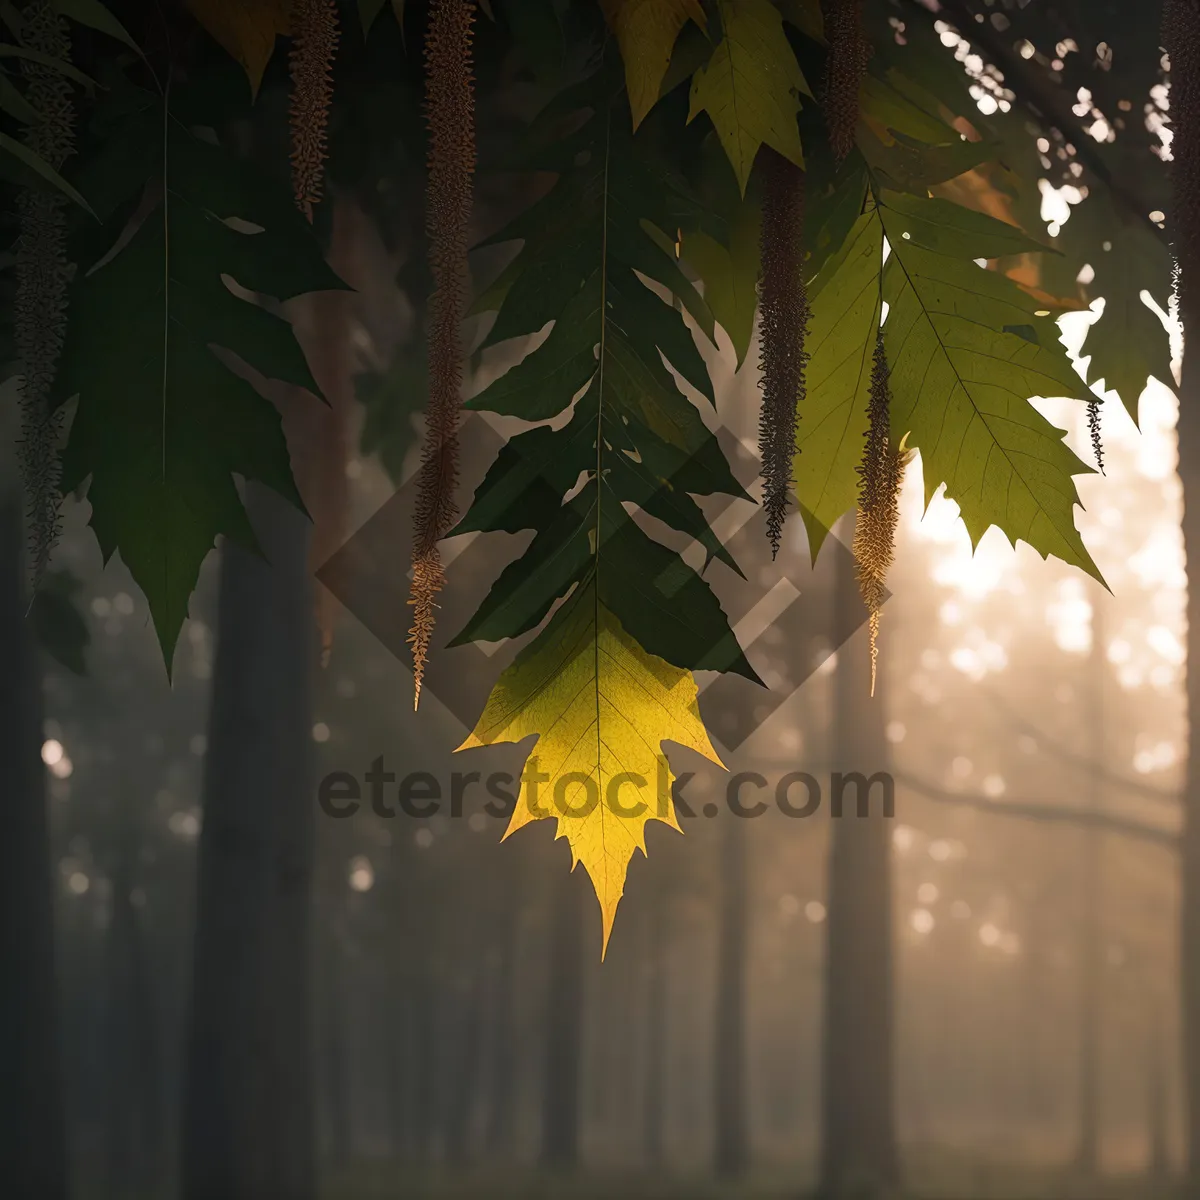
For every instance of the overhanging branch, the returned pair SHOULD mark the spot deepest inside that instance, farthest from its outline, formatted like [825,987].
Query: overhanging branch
[1034,810]
[1040,99]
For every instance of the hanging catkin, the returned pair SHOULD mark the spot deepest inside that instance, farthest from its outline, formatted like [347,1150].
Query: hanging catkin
[880,474]
[1181,38]
[844,67]
[314,28]
[42,279]
[1094,429]
[783,318]
[450,114]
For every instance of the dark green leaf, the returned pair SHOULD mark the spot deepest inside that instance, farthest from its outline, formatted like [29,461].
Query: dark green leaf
[162,424]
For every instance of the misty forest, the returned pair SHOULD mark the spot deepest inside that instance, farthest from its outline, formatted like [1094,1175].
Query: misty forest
[823,363]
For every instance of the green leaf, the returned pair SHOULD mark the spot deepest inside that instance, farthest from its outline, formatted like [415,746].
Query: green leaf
[633,443]
[646,31]
[48,60]
[538,37]
[840,342]
[247,30]
[11,18]
[13,103]
[806,16]
[1127,342]
[832,205]
[559,254]
[94,15]
[961,384]
[162,423]
[391,400]
[730,274]
[907,148]
[948,228]
[751,86]
[884,106]
[27,158]
[368,10]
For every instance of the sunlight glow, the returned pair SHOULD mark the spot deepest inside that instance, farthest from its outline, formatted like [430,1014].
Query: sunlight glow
[1070,616]
[362,874]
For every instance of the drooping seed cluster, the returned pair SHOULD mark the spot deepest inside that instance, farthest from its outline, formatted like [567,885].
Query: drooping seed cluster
[43,277]
[783,317]
[880,475]
[1181,38]
[450,114]
[1094,430]
[844,68]
[314,25]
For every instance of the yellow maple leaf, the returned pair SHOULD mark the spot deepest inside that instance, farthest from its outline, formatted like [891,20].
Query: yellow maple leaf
[646,31]
[246,28]
[602,707]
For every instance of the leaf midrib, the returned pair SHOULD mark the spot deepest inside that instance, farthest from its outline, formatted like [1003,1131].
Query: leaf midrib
[958,379]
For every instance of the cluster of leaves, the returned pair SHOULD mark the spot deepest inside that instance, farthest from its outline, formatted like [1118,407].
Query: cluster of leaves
[966,347]
[646,242]
[175,244]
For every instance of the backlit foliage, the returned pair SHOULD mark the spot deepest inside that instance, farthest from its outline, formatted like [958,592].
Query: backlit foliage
[678,183]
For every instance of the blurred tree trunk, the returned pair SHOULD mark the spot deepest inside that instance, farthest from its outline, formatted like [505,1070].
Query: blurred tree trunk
[1090,973]
[509,897]
[465,1082]
[33,1156]
[503,1032]
[655,1063]
[248,1105]
[134,1099]
[424,1082]
[1159,1165]
[562,1092]
[419,933]
[398,1058]
[399,964]
[731,1143]
[858,1135]
[1189,867]
[1185,231]
[335,1084]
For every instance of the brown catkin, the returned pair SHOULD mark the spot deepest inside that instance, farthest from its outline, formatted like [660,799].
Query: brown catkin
[783,322]
[1094,429]
[1181,39]
[314,28]
[844,68]
[43,277]
[880,474]
[450,114]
